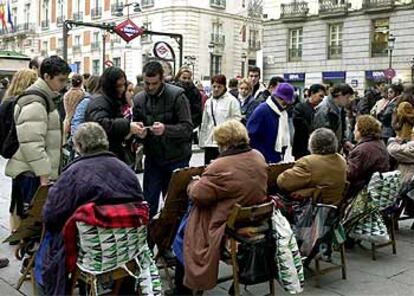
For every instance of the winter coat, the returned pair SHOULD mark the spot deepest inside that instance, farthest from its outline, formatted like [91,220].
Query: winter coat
[368,156]
[237,176]
[39,135]
[303,115]
[258,90]
[385,116]
[171,108]
[247,107]
[107,112]
[80,113]
[403,153]
[263,127]
[71,100]
[333,117]
[217,111]
[321,177]
[194,98]
[367,102]
[100,178]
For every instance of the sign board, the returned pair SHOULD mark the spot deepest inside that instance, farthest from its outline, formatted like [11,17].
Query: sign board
[354,82]
[375,75]
[334,75]
[389,73]
[294,77]
[128,30]
[164,51]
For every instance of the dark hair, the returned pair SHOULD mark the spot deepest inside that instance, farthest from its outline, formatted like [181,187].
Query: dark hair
[314,88]
[380,82]
[152,69]
[77,80]
[34,63]
[341,89]
[107,82]
[86,76]
[397,88]
[92,84]
[233,83]
[54,66]
[275,80]
[220,79]
[5,82]
[254,69]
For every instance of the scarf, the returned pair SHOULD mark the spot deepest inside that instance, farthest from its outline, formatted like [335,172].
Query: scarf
[283,135]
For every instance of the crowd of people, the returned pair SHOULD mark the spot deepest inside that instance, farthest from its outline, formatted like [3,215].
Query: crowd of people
[107,123]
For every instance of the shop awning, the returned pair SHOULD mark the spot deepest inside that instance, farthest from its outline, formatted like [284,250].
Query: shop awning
[294,77]
[334,75]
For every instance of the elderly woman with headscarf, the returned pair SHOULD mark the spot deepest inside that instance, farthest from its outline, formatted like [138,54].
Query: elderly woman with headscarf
[238,175]
[321,175]
[268,126]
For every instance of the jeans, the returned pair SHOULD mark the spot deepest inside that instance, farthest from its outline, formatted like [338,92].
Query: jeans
[156,180]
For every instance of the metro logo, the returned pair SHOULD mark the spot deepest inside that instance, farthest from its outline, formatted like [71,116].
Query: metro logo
[127,30]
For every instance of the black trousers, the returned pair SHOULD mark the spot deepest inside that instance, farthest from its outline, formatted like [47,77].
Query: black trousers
[180,289]
[210,153]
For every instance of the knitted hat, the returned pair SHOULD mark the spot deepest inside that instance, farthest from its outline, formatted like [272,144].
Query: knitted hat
[285,92]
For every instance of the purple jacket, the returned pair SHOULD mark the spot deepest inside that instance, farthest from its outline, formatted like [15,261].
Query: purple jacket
[99,177]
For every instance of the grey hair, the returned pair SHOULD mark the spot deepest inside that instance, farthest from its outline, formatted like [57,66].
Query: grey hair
[90,138]
[323,141]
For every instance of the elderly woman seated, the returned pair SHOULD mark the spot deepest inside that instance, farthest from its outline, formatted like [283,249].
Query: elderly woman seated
[321,175]
[368,156]
[239,175]
[97,176]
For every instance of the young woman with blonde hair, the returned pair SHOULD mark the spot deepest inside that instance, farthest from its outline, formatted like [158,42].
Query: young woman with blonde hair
[22,79]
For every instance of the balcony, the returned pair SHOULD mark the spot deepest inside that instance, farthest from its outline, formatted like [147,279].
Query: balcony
[147,3]
[374,6]
[26,28]
[96,13]
[218,4]
[294,11]
[45,25]
[335,51]
[95,46]
[60,20]
[379,49]
[254,44]
[115,8]
[78,16]
[77,48]
[332,8]
[295,54]
[218,39]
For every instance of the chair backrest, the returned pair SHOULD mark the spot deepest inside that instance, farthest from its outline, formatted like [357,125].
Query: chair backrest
[384,188]
[246,216]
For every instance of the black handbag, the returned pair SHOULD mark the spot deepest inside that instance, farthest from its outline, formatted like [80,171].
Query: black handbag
[256,262]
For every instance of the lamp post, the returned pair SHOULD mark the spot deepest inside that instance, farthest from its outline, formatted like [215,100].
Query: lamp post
[412,70]
[119,11]
[190,61]
[391,44]
[211,51]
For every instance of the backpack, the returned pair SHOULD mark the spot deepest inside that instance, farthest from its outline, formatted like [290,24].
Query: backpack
[9,143]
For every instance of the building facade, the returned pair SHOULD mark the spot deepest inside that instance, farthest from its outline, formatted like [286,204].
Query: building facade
[335,41]
[219,36]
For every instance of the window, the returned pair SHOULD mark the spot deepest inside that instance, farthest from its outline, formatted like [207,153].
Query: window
[218,3]
[117,62]
[77,40]
[243,3]
[77,44]
[14,13]
[217,37]
[295,44]
[147,26]
[61,12]
[95,45]
[215,64]
[379,42]
[43,52]
[147,3]
[27,13]
[78,67]
[335,41]
[95,67]
[96,11]
[254,40]
[45,21]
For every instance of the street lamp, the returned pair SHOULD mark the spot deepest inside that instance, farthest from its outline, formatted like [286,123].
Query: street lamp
[211,51]
[190,61]
[120,9]
[412,70]
[391,44]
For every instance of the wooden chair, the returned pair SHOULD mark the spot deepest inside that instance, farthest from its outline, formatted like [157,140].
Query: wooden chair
[390,222]
[246,224]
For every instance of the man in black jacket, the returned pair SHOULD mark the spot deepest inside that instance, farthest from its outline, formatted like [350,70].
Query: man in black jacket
[303,114]
[164,116]
[372,96]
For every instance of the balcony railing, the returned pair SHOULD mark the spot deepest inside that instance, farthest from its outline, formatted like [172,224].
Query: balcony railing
[333,8]
[45,25]
[116,7]
[295,54]
[95,46]
[295,10]
[218,39]
[60,20]
[26,28]
[378,5]
[78,16]
[335,51]
[96,13]
[254,44]
[147,3]
[76,48]
[379,49]
[218,3]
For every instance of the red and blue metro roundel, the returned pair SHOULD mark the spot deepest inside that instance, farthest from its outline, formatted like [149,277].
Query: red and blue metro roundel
[127,30]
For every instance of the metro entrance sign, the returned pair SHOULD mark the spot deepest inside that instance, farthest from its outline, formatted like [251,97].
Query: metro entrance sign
[127,30]
[389,73]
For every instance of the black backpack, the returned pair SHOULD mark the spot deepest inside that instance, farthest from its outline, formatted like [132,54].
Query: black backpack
[9,143]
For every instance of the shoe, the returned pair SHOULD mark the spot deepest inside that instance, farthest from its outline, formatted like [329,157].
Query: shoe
[4,262]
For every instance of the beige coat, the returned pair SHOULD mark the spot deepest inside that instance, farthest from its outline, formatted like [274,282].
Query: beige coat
[39,134]
[404,155]
[238,178]
[316,174]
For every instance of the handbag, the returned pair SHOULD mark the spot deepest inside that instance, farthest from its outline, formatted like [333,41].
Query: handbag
[254,264]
